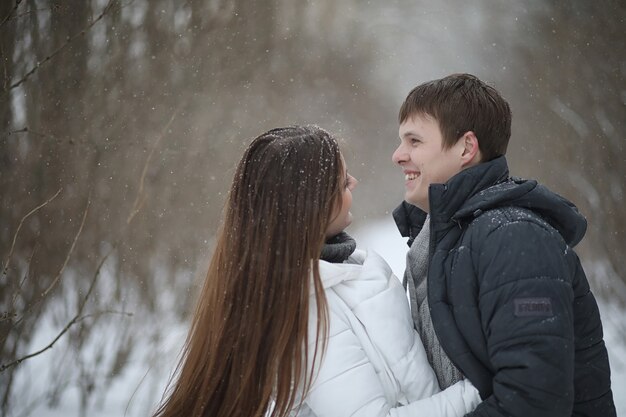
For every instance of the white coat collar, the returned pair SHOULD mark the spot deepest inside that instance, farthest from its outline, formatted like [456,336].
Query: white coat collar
[360,265]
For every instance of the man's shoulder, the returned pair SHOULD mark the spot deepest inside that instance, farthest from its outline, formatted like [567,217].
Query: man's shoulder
[487,221]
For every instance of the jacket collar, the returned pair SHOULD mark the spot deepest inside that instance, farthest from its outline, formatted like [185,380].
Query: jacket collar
[445,199]
[364,266]
[485,186]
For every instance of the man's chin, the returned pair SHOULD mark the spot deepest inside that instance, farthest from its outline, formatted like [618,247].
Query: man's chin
[410,199]
[414,202]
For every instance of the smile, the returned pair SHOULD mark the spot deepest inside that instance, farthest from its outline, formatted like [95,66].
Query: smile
[411,176]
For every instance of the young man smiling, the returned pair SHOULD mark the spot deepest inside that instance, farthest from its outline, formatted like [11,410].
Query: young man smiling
[498,295]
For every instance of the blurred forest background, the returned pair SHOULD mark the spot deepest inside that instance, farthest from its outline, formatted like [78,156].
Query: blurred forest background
[121,122]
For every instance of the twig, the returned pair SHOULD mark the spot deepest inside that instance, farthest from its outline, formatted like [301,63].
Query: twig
[70,39]
[130,400]
[140,194]
[9,314]
[31,11]
[69,253]
[5,78]
[7,17]
[22,130]
[6,264]
[26,129]
[74,320]
[58,276]
[103,312]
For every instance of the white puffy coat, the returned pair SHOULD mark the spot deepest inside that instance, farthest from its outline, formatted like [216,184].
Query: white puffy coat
[375,364]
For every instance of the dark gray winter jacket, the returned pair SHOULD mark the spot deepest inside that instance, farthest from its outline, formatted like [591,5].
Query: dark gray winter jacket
[509,300]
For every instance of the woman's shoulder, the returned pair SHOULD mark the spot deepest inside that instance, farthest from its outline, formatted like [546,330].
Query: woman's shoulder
[355,283]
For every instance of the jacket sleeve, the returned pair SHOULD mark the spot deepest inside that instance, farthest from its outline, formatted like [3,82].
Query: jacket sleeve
[348,384]
[525,301]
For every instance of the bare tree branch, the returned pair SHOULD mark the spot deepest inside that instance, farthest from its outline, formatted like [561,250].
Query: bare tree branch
[31,11]
[70,39]
[103,312]
[132,397]
[8,17]
[10,314]
[6,264]
[69,253]
[140,194]
[26,129]
[22,130]
[77,318]
[58,276]
[5,78]
[71,141]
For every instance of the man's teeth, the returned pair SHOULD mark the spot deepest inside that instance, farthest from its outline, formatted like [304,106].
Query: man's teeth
[410,177]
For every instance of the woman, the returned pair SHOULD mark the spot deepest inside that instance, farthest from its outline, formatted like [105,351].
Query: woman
[279,332]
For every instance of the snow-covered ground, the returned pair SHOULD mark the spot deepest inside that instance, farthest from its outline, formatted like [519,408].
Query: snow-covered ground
[136,392]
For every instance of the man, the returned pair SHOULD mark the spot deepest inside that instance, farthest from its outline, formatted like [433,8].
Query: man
[497,293]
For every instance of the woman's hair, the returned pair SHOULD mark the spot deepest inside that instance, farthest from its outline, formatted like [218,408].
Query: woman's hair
[247,349]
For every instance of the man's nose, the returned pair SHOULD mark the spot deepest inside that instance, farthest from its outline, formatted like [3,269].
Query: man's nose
[400,155]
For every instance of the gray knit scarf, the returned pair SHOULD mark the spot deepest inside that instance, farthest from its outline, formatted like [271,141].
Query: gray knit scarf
[338,248]
[416,282]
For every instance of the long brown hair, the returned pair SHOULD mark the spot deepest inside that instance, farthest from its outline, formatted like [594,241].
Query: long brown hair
[246,353]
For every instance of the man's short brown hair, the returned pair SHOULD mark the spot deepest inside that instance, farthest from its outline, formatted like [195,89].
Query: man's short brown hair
[461,103]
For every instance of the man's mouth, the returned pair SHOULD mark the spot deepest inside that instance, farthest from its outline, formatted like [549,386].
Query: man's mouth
[408,176]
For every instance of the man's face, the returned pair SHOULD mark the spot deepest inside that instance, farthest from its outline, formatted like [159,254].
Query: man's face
[423,160]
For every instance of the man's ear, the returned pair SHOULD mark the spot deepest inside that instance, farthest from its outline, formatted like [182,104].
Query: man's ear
[471,152]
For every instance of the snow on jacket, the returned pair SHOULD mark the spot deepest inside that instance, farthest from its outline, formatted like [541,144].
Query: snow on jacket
[374,363]
[509,299]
